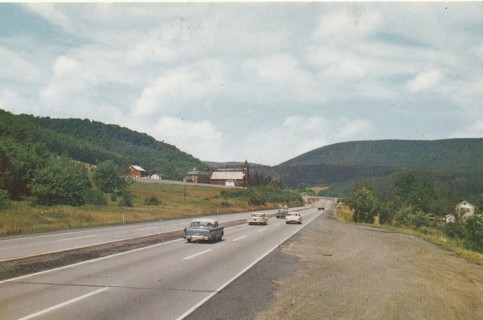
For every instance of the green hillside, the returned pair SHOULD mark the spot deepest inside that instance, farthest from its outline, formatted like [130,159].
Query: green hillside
[339,165]
[89,142]
[451,154]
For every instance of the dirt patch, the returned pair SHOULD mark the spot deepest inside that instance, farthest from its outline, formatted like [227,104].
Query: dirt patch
[352,272]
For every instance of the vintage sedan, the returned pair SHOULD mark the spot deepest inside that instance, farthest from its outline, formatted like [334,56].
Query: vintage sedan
[258,218]
[203,229]
[293,217]
[281,213]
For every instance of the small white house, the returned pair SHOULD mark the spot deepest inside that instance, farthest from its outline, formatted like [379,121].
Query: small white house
[156,176]
[462,212]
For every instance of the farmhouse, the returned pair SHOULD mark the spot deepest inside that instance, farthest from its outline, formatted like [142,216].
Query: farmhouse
[197,176]
[462,212]
[136,171]
[156,176]
[234,177]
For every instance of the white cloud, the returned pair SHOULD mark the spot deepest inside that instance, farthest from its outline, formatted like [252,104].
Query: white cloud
[180,87]
[15,67]
[347,25]
[258,64]
[474,130]
[68,80]
[300,134]
[200,138]
[425,81]
[50,12]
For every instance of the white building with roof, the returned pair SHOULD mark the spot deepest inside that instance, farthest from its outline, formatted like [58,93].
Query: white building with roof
[231,177]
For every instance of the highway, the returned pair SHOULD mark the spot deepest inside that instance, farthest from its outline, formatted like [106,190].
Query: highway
[163,281]
[25,246]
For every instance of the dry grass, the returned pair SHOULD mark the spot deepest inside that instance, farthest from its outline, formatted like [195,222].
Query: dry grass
[343,213]
[176,201]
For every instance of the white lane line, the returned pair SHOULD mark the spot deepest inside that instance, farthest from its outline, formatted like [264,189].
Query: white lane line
[262,230]
[234,240]
[90,261]
[146,228]
[33,315]
[196,306]
[68,239]
[197,254]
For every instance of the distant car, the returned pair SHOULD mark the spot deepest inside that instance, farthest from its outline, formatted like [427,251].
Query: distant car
[281,213]
[293,217]
[203,229]
[258,218]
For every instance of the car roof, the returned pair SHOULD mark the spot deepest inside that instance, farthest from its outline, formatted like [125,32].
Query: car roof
[205,220]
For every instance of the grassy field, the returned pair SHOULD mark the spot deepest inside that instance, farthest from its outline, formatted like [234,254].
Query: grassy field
[176,201]
[432,235]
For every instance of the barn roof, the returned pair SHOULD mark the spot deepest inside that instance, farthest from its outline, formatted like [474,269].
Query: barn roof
[138,168]
[227,175]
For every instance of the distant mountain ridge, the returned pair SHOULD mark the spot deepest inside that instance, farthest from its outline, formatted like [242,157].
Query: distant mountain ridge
[366,159]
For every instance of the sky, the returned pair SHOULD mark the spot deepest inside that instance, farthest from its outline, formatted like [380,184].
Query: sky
[262,82]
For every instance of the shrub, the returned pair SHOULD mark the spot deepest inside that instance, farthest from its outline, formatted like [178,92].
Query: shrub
[386,214]
[364,202]
[61,181]
[152,201]
[256,200]
[454,230]
[225,204]
[4,199]
[127,200]
[95,197]
[474,233]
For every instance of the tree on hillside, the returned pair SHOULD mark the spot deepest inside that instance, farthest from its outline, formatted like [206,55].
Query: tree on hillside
[61,181]
[18,162]
[108,177]
[258,179]
[276,183]
[414,191]
[364,202]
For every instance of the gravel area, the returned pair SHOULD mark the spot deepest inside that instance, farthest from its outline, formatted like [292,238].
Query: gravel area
[332,270]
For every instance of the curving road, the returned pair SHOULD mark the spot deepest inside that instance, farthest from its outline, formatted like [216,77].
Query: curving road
[164,281]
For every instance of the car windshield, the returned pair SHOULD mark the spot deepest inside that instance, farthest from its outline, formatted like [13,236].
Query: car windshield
[201,224]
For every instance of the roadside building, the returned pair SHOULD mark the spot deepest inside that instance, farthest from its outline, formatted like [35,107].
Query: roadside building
[156,176]
[462,212]
[231,177]
[136,171]
[197,176]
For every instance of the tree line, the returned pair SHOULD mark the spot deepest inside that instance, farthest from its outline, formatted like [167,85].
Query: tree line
[416,203]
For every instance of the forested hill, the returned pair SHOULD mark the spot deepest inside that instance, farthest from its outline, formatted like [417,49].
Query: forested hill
[351,161]
[92,142]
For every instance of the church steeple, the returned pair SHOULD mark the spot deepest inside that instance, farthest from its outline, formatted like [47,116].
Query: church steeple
[246,173]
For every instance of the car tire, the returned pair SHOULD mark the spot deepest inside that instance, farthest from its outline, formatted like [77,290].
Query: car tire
[188,240]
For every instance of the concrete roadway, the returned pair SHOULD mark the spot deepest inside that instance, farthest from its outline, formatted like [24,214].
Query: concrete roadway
[164,281]
[24,246]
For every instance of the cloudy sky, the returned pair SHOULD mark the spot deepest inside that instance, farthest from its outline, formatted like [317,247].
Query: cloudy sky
[250,81]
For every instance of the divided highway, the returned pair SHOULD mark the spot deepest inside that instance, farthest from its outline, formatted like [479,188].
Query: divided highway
[19,247]
[163,281]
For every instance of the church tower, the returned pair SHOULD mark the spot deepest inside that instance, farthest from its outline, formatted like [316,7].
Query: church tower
[246,173]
